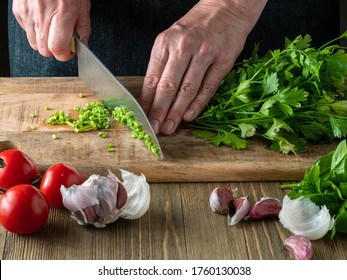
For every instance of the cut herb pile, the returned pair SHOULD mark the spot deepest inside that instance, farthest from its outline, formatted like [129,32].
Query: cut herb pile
[125,117]
[326,184]
[95,116]
[92,116]
[288,97]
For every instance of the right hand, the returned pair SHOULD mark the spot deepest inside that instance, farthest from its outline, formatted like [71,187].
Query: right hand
[50,24]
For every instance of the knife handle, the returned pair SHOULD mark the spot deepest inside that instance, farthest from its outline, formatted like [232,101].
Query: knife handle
[72,44]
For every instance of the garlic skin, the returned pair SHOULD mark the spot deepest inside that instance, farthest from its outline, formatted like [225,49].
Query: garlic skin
[241,207]
[98,201]
[102,200]
[299,246]
[220,200]
[303,217]
[139,197]
[265,208]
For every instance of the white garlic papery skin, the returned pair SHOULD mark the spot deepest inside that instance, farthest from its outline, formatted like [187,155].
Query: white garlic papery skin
[303,217]
[299,246]
[98,201]
[139,197]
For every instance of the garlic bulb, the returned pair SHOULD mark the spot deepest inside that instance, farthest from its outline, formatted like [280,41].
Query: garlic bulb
[102,200]
[303,217]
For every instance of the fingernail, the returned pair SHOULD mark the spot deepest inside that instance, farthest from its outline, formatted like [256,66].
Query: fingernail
[155,126]
[190,115]
[168,126]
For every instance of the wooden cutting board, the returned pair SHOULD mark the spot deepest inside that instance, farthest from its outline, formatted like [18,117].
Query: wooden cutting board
[186,158]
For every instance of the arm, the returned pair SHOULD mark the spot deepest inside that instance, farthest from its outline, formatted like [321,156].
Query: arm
[189,60]
[49,24]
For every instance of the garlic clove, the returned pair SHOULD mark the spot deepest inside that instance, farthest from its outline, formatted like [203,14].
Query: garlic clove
[138,195]
[265,208]
[79,197]
[85,216]
[303,217]
[299,246]
[241,208]
[220,200]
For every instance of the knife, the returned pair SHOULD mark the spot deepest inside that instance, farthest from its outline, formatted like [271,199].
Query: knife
[107,88]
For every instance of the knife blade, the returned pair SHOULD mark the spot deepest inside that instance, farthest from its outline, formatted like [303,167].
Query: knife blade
[107,88]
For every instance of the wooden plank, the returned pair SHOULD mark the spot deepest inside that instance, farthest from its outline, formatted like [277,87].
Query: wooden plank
[179,225]
[186,158]
[157,235]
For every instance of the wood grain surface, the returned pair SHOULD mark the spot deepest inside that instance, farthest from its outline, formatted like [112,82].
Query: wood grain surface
[179,223]
[186,157]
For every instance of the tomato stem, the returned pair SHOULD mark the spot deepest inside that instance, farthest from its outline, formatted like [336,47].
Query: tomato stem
[2,163]
[2,191]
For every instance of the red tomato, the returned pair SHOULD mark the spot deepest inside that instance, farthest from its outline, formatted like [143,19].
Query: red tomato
[57,175]
[23,209]
[16,168]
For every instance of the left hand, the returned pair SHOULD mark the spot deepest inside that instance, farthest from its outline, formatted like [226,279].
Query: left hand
[189,60]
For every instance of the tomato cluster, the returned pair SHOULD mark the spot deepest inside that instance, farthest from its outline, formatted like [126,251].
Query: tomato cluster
[24,208]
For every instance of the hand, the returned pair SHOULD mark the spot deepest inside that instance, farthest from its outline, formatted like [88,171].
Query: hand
[189,60]
[50,24]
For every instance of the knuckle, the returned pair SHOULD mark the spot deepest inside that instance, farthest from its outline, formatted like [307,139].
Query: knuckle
[188,90]
[200,103]
[146,99]
[56,48]
[157,112]
[207,89]
[45,52]
[150,82]
[59,52]
[208,49]
[19,10]
[167,86]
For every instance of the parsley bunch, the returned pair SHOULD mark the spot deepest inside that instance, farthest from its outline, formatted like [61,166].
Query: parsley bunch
[288,96]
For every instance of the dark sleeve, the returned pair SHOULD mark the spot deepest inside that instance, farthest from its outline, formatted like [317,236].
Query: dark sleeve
[123,32]
[282,18]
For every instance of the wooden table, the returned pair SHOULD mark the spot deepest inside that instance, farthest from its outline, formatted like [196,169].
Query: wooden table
[179,223]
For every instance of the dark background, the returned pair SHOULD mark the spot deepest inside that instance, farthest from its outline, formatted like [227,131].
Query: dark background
[4,71]
[4,63]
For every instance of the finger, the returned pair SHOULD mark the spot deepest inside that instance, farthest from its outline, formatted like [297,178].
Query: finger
[156,65]
[167,88]
[186,94]
[31,34]
[208,88]
[83,25]
[42,29]
[58,41]
[17,11]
